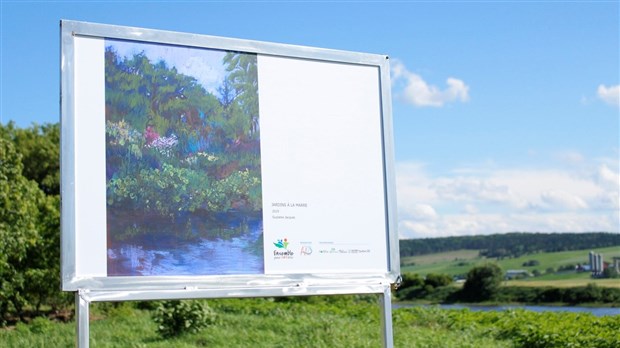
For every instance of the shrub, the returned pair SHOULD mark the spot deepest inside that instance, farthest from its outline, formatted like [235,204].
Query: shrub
[176,317]
[411,280]
[437,280]
[482,282]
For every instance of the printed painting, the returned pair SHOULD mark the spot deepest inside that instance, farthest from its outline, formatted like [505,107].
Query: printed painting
[183,169]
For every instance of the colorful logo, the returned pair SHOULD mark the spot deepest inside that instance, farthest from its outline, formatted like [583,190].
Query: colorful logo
[282,244]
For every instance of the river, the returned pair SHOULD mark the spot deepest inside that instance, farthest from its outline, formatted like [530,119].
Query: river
[596,311]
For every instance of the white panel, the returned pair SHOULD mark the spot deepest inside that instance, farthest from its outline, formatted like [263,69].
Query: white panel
[90,158]
[322,167]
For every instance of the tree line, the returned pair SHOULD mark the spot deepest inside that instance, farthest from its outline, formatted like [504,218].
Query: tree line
[510,245]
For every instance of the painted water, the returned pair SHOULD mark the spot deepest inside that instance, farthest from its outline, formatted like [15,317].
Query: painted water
[188,245]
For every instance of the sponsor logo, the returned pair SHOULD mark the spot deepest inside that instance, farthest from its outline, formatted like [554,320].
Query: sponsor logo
[305,250]
[282,252]
[281,243]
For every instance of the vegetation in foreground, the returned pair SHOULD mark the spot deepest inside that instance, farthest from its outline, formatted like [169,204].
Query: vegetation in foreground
[336,321]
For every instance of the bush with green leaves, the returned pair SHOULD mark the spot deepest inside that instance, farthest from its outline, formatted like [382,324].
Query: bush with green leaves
[176,317]
[483,282]
[29,225]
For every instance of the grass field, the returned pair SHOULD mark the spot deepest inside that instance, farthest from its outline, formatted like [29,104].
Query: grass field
[352,322]
[461,261]
[565,283]
[253,323]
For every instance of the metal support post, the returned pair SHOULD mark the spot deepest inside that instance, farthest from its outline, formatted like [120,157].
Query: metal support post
[385,300]
[82,318]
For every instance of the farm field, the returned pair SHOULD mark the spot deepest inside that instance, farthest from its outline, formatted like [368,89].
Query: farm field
[461,261]
[565,283]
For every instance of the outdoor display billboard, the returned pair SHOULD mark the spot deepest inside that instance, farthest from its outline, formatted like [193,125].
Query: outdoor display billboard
[218,163]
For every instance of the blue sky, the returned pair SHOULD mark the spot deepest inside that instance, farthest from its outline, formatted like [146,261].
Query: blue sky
[506,114]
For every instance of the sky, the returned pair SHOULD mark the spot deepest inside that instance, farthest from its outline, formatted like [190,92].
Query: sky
[506,114]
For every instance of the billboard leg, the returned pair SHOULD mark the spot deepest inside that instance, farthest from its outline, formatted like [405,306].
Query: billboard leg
[385,300]
[82,319]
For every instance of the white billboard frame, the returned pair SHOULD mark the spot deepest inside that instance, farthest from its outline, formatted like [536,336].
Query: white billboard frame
[75,216]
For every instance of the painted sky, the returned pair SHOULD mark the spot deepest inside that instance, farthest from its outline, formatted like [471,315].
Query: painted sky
[506,114]
[204,65]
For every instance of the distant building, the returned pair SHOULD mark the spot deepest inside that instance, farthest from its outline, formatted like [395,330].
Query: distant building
[583,268]
[617,264]
[596,264]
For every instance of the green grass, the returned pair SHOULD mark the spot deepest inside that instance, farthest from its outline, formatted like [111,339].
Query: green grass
[251,322]
[335,322]
[564,283]
[461,261]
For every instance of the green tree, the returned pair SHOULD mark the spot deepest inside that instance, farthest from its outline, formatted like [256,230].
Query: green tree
[437,279]
[29,219]
[39,147]
[482,282]
[19,217]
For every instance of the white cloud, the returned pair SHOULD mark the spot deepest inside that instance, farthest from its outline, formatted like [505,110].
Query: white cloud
[491,199]
[422,212]
[472,189]
[610,95]
[608,177]
[470,209]
[562,200]
[418,92]
[468,224]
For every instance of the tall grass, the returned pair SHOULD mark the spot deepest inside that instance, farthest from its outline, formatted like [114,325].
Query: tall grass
[327,322]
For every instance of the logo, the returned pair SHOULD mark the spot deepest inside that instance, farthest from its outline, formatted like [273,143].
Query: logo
[282,252]
[306,250]
[281,244]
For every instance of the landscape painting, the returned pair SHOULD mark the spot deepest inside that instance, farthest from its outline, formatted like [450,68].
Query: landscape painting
[183,168]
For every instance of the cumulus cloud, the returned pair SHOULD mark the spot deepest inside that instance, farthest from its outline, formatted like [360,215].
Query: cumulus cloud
[472,189]
[484,200]
[562,200]
[610,95]
[414,90]
[470,209]
[608,177]
[422,212]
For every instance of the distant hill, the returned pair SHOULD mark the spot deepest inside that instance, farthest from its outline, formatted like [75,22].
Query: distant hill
[513,244]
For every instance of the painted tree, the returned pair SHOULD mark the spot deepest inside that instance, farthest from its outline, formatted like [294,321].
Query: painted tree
[243,77]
